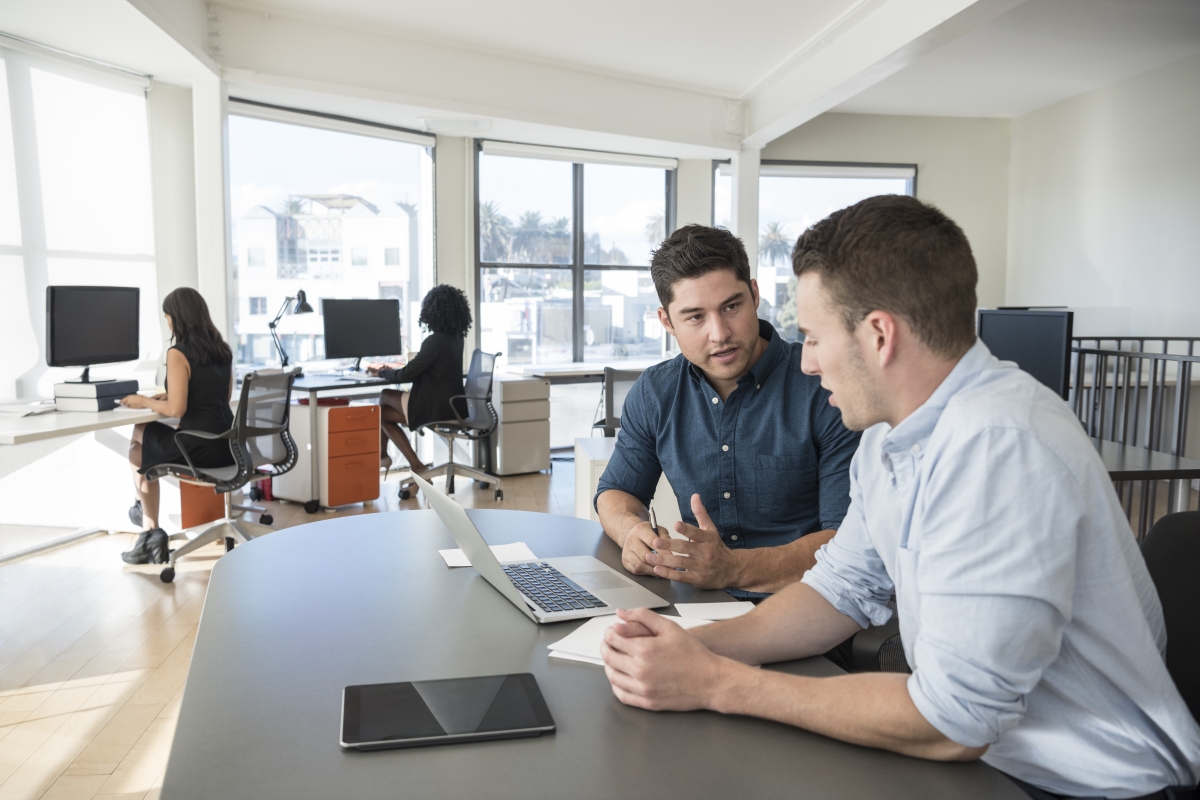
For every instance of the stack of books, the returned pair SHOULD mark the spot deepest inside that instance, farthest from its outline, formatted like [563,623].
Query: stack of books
[101,396]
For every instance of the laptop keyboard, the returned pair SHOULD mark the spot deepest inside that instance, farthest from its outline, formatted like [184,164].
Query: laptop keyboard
[550,589]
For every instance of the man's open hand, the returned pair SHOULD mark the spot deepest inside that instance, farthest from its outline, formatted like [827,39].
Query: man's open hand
[707,563]
[653,663]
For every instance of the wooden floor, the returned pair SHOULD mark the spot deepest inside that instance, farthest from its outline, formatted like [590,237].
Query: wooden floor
[94,653]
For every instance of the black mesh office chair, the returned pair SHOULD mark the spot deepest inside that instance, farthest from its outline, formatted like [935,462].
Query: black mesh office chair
[261,447]
[617,383]
[1172,553]
[879,648]
[476,426]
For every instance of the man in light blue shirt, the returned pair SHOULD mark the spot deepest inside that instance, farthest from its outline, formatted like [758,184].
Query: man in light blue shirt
[1034,632]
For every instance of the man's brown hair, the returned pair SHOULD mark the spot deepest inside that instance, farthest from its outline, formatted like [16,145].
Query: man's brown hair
[894,253]
[693,251]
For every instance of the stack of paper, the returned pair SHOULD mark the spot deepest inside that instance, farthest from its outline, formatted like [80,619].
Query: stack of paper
[714,611]
[583,644]
[505,554]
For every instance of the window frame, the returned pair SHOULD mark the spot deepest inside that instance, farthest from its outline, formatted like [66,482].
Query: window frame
[578,265]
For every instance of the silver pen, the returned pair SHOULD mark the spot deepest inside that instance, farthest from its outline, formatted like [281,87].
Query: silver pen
[653,521]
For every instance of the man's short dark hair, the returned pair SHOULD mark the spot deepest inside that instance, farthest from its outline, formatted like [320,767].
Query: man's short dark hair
[693,251]
[896,254]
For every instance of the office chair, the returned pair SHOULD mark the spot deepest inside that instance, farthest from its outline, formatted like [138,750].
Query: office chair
[879,648]
[1172,553]
[261,446]
[477,426]
[617,383]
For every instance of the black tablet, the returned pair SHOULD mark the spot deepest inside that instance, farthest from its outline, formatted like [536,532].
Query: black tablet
[417,713]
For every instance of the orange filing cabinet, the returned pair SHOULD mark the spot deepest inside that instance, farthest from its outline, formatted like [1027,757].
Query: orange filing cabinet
[347,456]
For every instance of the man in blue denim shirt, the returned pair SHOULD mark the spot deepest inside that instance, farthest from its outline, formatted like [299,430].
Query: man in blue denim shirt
[757,457]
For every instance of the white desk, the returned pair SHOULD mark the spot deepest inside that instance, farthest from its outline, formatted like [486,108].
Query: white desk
[580,372]
[24,440]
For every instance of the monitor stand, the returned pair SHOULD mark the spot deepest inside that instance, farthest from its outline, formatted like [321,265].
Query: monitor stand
[356,369]
[86,378]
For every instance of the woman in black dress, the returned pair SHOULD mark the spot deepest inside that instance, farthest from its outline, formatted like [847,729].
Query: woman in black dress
[199,385]
[436,372]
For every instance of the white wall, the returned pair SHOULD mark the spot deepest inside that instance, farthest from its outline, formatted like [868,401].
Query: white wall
[454,177]
[962,168]
[1105,205]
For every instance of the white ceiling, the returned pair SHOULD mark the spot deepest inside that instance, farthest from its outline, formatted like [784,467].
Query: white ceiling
[721,47]
[1040,53]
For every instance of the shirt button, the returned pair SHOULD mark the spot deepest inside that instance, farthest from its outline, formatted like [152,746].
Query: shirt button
[724,448]
[759,386]
[727,495]
[715,401]
[734,537]
[916,448]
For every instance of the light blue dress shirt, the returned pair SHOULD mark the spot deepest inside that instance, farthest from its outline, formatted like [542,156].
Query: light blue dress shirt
[1026,611]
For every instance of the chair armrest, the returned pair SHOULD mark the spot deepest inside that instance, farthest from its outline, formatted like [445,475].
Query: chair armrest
[454,410]
[199,435]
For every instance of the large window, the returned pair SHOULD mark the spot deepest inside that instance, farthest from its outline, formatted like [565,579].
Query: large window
[75,208]
[791,197]
[341,214]
[564,254]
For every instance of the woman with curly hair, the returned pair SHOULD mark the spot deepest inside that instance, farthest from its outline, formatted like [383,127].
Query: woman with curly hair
[435,373]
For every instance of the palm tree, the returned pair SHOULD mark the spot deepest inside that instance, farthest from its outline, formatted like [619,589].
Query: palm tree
[558,241]
[293,205]
[774,245]
[656,228]
[528,238]
[495,233]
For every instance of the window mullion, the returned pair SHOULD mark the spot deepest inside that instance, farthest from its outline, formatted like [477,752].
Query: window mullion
[577,264]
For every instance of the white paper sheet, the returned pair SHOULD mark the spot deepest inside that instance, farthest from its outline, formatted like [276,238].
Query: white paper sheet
[505,553]
[583,644]
[714,611]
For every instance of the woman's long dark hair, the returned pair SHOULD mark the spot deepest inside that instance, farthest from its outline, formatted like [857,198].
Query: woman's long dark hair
[191,325]
[446,310]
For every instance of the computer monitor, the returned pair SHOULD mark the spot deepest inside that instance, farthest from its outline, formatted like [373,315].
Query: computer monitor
[1038,341]
[87,325]
[361,328]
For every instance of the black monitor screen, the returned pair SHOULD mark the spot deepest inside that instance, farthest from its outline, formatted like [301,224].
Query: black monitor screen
[1038,341]
[91,325]
[361,328]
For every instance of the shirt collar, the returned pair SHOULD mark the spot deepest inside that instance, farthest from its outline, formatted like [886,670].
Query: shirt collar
[775,353]
[918,426]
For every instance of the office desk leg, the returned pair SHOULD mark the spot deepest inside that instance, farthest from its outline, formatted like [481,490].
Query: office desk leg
[313,505]
[1181,495]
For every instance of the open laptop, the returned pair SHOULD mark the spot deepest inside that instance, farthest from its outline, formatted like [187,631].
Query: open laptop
[550,590]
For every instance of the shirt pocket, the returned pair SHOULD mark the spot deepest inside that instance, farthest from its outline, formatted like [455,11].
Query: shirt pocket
[784,482]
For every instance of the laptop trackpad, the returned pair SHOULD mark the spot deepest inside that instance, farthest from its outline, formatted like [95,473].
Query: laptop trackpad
[599,581]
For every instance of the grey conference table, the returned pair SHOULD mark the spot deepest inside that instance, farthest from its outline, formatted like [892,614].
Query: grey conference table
[294,616]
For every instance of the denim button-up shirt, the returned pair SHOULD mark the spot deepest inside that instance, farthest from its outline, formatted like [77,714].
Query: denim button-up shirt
[1026,610]
[770,462]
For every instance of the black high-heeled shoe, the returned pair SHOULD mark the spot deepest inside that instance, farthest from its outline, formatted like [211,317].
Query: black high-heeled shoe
[150,548]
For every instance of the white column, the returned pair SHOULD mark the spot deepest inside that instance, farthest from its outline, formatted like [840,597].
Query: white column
[33,223]
[173,176]
[745,200]
[455,239]
[212,244]
[694,192]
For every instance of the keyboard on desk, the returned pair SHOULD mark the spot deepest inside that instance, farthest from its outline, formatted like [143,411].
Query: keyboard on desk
[550,589]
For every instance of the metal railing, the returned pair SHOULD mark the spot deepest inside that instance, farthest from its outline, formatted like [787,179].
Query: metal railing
[1139,398]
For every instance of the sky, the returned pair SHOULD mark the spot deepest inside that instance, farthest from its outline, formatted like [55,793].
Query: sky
[270,160]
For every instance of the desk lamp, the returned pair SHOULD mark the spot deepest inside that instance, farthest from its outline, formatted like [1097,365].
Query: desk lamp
[302,307]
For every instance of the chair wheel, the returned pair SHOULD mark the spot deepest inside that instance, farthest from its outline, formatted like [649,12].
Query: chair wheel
[167,575]
[256,493]
[499,494]
[312,506]
[484,484]
[405,494]
[266,519]
[229,543]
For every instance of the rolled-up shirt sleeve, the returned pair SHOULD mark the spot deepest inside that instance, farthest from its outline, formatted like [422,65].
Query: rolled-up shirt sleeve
[849,572]
[634,467]
[996,582]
